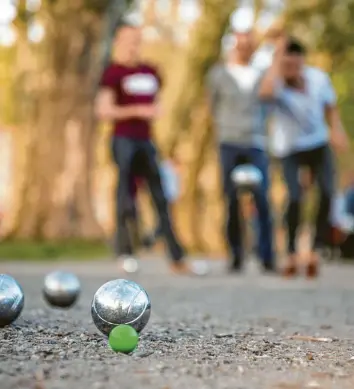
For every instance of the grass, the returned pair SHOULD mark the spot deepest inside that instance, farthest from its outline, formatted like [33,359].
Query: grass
[32,250]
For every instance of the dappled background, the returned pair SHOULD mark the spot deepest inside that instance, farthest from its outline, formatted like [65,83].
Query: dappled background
[56,176]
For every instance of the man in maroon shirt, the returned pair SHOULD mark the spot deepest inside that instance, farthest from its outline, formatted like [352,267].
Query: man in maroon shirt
[128,97]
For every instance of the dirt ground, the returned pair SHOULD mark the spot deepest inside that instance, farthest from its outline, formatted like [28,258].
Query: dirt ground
[239,332]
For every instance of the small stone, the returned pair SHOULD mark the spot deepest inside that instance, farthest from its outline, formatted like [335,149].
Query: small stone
[309,356]
[313,384]
[326,327]
[143,354]
[225,335]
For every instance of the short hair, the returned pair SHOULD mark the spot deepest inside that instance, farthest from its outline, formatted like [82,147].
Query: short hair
[122,24]
[294,46]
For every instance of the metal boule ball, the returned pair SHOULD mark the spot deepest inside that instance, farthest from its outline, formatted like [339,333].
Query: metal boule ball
[246,177]
[130,265]
[61,289]
[200,267]
[120,302]
[11,300]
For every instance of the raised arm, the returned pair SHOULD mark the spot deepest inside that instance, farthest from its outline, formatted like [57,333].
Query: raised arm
[272,79]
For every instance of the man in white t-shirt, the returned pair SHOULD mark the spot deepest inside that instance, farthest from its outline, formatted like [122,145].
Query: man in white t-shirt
[240,129]
[303,98]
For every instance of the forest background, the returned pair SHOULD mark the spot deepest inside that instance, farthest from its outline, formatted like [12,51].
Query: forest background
[57,179]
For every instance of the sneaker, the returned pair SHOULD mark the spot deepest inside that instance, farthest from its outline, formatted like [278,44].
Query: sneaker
[290,270]
[148,241]
[312,267]
[180,268]
[269,268]
[236,266]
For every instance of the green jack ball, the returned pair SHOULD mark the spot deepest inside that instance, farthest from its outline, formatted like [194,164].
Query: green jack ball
[123,339]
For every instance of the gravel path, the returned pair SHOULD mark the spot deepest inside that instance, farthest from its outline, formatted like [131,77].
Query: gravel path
[214,332]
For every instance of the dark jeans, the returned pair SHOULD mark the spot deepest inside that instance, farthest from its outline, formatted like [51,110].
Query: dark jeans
[231,156]
[139,158]
[349,200]
[320,163]
[347,247]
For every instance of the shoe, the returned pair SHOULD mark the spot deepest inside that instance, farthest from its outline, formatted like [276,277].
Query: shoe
[236,266]
[312,268]
[269,268]
[180,268]
[148,241]
[290,270]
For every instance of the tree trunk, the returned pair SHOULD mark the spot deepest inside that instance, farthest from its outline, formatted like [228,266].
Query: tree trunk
[201,139]
[185,81]
[56,198]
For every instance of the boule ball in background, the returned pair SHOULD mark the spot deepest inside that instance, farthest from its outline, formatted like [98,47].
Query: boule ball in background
[11,300]
[120,302]
[61,289]
[130,265]
[246,177]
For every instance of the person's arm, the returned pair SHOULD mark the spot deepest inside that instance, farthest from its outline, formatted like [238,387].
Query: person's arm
[334,120]
[337,132]
[212,88]
[107,109]
[271,82]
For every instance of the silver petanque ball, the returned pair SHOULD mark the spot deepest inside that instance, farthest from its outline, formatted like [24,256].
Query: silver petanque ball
[61,289]
[120,302]
[246,177]
[11,300]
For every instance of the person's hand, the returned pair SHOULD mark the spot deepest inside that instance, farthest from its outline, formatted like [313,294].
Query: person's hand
[147,111]
[280,47]
[340,140]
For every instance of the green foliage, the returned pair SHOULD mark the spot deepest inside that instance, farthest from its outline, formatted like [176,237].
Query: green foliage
[344,84]
[32,250]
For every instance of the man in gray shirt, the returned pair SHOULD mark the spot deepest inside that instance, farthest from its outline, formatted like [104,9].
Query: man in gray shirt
[240,125]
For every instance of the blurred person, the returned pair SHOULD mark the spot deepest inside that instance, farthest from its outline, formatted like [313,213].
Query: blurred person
[128,97]
[240,127]
[347,247]
[303,98]
[171,187]
[349,197]
[341,223]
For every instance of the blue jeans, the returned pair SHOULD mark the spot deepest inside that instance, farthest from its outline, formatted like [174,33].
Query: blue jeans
[138,157]
[349,200]
[231,156]
[320,162]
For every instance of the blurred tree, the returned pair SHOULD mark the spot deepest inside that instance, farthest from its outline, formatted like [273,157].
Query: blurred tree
[185,106]
[185,80]
[55,192]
